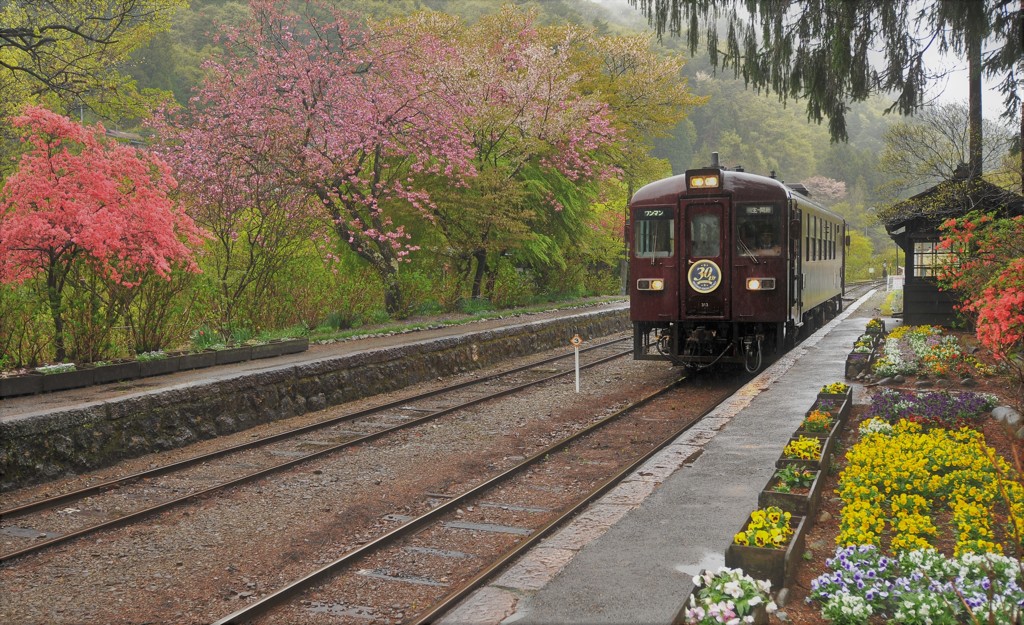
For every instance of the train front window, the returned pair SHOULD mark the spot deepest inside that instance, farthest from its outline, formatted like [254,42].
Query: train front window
[654,233]
[757,230]
[705,236]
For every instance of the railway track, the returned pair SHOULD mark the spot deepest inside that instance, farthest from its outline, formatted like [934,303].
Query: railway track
[425,564]
[434,560]
[35,526]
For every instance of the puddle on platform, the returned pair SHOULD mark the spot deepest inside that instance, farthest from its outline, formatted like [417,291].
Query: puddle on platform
[709,562]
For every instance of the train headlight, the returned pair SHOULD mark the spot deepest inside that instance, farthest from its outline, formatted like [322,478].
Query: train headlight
[645,284]
[760,284]
[704,182]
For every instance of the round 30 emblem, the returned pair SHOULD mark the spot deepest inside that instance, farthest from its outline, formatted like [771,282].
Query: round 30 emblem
[704,276]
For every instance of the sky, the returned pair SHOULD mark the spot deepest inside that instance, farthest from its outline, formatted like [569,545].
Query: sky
[954,88]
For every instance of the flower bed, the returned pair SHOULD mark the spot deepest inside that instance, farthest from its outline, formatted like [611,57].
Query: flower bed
[933,408]
[907,490]
[937,510]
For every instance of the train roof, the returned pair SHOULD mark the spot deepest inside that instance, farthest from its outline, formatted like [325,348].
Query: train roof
[736,183]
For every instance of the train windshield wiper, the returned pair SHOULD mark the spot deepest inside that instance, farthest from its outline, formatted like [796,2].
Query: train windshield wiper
[748,252]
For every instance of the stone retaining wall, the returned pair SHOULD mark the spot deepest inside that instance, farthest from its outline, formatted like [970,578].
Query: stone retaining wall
[41,448]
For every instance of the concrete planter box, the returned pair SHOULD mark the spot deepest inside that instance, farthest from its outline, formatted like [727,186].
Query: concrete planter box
[197,360]
[279,348]
[797,504]
[28,384]
[877,328]
[160,366]
[823,461]
[295,346]
[117,372]
[233,354]
[778,566]
[68,379]
[759,612]
[838,404]
[831,432]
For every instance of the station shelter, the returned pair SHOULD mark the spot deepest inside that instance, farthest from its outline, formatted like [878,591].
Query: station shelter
[914,226]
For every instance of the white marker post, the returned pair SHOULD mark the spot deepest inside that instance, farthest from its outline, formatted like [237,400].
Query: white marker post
[576,342]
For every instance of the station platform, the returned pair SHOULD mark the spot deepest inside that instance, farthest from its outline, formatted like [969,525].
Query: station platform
[629,558]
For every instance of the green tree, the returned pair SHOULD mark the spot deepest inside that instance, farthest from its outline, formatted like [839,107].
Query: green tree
[860,255]
[73,50]
[823,50]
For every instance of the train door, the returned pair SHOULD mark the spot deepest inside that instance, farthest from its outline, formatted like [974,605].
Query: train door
[706,293]
[796,304]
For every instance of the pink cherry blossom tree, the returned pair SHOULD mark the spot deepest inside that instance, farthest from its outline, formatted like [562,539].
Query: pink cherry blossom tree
[540,141]
[349,116]
[78,199]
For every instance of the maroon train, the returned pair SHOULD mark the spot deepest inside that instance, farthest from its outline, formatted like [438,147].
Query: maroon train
[729,267]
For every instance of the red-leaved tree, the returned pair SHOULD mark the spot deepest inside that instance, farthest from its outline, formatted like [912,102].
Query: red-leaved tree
[80,198]
[986,268]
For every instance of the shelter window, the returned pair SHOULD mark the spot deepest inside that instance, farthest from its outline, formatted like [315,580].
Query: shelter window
[929,259]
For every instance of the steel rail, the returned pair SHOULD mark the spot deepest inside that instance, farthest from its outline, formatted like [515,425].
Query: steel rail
[393,535]
[166,505]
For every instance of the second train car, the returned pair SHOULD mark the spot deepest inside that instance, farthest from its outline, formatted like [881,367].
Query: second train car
[727,266]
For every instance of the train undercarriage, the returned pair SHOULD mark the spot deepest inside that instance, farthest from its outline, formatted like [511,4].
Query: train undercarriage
[705,344]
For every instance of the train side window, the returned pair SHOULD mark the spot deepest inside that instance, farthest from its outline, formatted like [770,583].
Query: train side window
[654,238]
[705,236]
[807,236]
[814,239]
[819,233]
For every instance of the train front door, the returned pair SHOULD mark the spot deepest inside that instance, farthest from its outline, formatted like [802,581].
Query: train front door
[706,293]
[796,274]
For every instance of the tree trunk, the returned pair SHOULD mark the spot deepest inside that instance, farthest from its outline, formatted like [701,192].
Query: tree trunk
[974,94]
[54,286]
[394,303]
[481,270]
